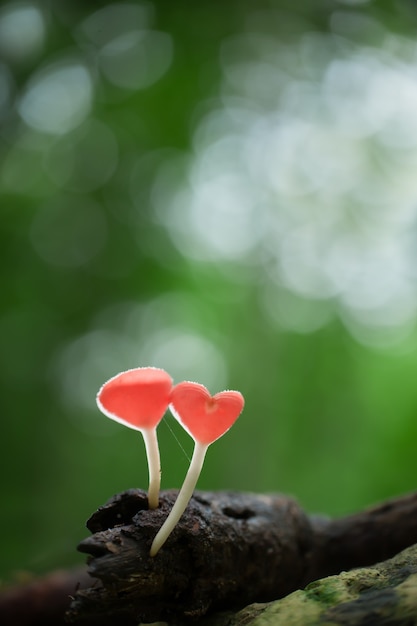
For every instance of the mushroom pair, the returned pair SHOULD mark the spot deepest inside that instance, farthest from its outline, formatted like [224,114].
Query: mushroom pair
[139,397]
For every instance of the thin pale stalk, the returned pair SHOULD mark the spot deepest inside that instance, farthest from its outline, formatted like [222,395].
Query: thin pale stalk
[183,497]
[154,466]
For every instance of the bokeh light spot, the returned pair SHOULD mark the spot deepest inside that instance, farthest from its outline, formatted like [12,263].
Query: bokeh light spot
[307,164]
[113,21]
[22,31]
[137,59]
[58,98]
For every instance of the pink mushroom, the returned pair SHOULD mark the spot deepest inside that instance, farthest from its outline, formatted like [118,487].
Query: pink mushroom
[138,398]
[205,418]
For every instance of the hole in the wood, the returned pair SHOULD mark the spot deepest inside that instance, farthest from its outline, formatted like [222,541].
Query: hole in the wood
[243,513]
[201,500]
[118,512]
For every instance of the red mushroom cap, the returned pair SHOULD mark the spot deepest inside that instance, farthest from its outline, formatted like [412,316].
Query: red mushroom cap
[137,398]
[205,417]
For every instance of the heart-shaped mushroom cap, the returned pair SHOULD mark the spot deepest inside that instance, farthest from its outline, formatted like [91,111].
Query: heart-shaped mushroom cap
[205,417]
[137,398]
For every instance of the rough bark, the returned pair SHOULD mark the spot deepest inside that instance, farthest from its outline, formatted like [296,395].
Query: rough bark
[229,550]
[217,556]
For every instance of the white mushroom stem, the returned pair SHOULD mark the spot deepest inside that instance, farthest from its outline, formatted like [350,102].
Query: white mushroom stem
[154,466]
[183,498]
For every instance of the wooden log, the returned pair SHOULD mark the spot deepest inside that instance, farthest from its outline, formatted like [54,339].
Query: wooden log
[228,550]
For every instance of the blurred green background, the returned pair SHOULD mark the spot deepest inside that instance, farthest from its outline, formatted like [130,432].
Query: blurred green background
[225,190]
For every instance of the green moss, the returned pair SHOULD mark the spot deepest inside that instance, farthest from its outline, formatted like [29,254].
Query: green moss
[323,591]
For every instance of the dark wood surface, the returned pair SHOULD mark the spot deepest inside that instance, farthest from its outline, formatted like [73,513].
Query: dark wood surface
[228,550]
